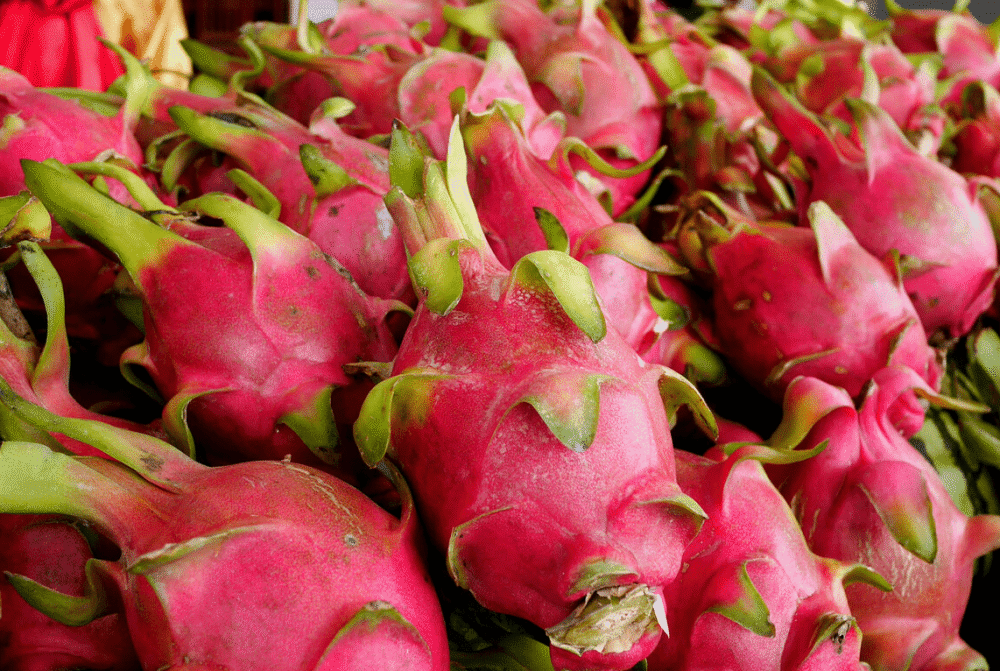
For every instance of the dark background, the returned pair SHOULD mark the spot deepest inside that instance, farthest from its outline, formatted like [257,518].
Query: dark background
[984,10]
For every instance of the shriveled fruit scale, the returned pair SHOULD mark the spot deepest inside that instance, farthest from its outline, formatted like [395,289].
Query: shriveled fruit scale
[509,335]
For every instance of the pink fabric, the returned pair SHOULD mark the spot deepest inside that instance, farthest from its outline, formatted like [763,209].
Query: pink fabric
[54,43]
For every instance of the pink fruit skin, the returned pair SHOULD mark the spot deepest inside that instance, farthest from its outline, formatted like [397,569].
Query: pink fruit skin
[50,550]
[508,180]
[566,53]
[526,515]
[848,305]
[39,125]
[367,52]
[750,527]
[904,91]
[842,497]
[281,576]
[894,198]
[977,137]
[253,354]
[966,48]
[352,224]
[425,105]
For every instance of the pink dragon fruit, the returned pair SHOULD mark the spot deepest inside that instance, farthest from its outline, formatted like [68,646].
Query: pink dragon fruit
[561,470]
[362,52]
[845,317]
[216,567]
[977,136]
[39,125]
[825,74]
[578,67]
[966,48]
[931,215]
[271,325]
[425,104]
[513,188]
[752,595]
[42,374]
[52,551]
[871,497]
[426,16]
[329,188]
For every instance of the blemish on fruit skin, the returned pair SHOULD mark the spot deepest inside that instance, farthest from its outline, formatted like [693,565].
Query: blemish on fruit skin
[840,370]
[153,463]
[351,541]
[384,222]
[766,295]
[744,304]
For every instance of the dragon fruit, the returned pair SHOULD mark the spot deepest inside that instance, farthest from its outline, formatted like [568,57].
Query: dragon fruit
[362,51]
[271,326]
[553,493]
[37,124]
[620,259]
[966,49]
[977,136]
[218,564]
[576,66]
[851,317]
[426,105]
[871,497]
[329,188]
[931,216]
[752,595]
[42,374]
[825,74]
[52,551]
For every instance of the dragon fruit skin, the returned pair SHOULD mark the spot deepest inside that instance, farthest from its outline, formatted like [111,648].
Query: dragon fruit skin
[851,317]
[564,56]
[879,73]
[967,51]
[751,594]
[932,216]
[53,551]
[426,108]
[618,257]
[42,374]
[40,125]
[977,136]
[362,50]
[275,323]
[551,489]
[871,497]
[215,568]
[344,180]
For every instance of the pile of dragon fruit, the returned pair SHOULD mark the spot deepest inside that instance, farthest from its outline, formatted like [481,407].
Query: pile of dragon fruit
[507,336]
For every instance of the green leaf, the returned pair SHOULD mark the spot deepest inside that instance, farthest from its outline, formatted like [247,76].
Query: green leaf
[568,402]
[555,235]
[327,177]
[742,603]
[436,271]
[262,197]
[73,611]
[315,424]
[568,281]
[171,552]
[898,492]
[401,400]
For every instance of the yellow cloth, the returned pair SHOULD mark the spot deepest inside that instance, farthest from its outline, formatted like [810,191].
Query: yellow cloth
[152,30]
